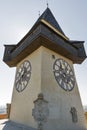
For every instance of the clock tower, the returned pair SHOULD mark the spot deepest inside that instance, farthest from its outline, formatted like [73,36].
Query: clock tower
[45,93]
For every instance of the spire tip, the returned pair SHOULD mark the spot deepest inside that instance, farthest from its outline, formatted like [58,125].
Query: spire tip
[47,4]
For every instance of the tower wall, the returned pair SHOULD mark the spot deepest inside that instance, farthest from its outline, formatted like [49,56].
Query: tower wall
[22,102]
[60,101]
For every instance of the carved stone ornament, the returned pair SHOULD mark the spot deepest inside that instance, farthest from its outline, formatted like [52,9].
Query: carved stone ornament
[40,111]
[74,114]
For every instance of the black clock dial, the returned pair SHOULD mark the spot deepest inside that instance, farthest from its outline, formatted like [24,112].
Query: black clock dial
[23,76]
[64,74]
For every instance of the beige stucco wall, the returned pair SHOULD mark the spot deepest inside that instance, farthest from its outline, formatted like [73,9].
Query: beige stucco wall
[22,103]
[60,101]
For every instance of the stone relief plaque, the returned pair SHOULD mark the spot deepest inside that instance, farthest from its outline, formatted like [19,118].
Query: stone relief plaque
[73,112]
[40,111]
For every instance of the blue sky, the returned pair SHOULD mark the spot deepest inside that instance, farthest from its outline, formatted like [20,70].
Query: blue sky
[16,19]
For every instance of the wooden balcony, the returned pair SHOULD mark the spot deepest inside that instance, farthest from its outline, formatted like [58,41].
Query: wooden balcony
[3,116]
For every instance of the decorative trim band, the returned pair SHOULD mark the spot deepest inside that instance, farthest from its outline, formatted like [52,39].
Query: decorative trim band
[55,30]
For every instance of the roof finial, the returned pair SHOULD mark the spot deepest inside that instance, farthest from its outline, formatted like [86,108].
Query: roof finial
[39,13]
[47,4]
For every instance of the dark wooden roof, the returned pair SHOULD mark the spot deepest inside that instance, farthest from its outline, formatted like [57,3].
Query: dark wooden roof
[48,16]
[45,32]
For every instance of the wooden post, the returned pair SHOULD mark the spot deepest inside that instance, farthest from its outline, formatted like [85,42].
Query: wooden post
[8,110]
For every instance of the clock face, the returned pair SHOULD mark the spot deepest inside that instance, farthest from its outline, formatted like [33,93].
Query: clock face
[23,76]
[64,74]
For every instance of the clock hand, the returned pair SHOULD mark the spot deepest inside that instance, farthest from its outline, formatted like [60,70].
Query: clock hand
[61,66]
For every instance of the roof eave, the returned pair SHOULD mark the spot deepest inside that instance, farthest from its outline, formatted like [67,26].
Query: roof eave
[14,58]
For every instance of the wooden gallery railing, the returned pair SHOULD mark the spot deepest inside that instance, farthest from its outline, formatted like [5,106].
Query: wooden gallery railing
[7,114]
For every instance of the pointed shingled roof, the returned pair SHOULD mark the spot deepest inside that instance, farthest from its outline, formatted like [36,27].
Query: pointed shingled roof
[45,32]
[49,17]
